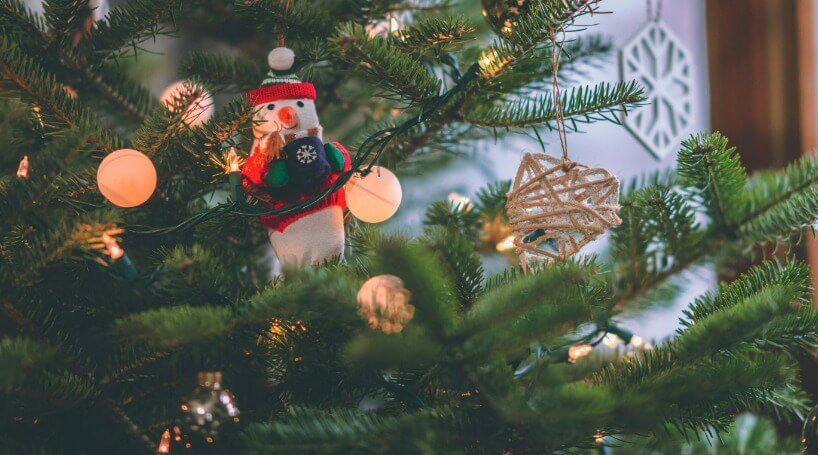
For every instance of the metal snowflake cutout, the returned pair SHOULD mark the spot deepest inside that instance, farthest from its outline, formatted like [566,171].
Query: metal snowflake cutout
[657,59]
[555,207]
[306,154]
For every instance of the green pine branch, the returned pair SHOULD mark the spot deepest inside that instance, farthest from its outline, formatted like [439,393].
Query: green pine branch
[293,18]
[223,72]
[581,105]
[435,34]
[128,26]
[713,170]
[22,76]
[399,74]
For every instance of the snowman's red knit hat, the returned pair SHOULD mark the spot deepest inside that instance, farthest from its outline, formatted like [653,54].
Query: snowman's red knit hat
[285,91]
[280,83]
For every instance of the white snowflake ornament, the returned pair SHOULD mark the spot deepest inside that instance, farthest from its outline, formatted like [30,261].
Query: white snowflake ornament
[306,154]
[658,60]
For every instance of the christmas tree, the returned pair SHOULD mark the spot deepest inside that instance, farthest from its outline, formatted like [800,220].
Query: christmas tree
[137,309]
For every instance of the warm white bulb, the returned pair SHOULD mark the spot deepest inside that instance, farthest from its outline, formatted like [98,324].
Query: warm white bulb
[637,341]
[164,443]
[460,201]
[112,248]
[126,177]
[507,244]
[22,169]
[579,351]
[611,340]
[374,198]
[233,161]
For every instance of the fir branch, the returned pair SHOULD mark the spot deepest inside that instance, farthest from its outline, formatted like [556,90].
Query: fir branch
[175,326]
[423,276]
[772,187]
[399,74]
[533,71]
[25,77]
[127,26]
[463,263]
[109,82]
[19,356]
[223,72]
[294,18]
[734,324]
[114,86]
[66,19]
[581,105]
[436,34]
[491,200]
[460,219]
[792,216]
[519,297]
[714,171]
[793,275]
[17,19]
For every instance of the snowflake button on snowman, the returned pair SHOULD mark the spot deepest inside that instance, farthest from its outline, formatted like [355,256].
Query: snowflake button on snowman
[290,163]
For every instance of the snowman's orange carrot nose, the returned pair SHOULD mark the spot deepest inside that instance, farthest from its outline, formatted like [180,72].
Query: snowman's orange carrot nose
[288,117]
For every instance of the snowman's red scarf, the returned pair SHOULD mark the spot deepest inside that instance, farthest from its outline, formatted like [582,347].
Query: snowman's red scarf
[254,170]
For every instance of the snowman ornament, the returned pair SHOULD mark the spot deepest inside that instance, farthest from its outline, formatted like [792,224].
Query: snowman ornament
[290,163]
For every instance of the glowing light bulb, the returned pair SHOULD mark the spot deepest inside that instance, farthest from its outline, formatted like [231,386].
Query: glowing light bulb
[507,244]
[611,340]
[579,351]
[164,443]
[22,169]
[394,25]
[637,341]
[460,201]
[112,248]
[38,115]
[491,63]
[233,161]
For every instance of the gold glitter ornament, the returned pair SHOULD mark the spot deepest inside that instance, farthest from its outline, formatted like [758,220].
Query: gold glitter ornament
[383,303]
[502,15]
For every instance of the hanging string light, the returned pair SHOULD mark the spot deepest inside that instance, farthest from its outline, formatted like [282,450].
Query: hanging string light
[579,351]
[22,169]
[460,201]
[233,169]
[507,244]
[119,258]
[35,109]
[610,340]
[164,443]
[491,62]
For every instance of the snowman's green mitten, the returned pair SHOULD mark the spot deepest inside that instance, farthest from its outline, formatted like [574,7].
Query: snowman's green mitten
[277,174]
[335,157]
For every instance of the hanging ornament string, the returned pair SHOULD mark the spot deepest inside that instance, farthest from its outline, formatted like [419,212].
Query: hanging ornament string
[654,15]
[280,27]
[556,54]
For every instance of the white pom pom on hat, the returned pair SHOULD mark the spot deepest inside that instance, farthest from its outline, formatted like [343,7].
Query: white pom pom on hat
[281,58]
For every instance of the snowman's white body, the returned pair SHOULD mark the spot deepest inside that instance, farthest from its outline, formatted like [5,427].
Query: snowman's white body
[313,239]
[319,236]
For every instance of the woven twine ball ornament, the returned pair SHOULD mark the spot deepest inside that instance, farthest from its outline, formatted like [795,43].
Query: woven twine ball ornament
[556,206]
